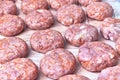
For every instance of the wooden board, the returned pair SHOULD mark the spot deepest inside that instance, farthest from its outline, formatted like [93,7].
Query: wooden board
[36,57]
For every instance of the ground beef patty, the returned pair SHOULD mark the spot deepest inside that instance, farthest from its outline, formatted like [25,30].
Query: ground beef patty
[19,69]
[46,40]
[78,34]
[70,14]
[99,10]
[41,19]
[73,77]
[87,2]
[11,25]
[56,4]
[110,28]
[11,48]
[31,5]
[96,56]
[7,7]
[111,73]
[57,63]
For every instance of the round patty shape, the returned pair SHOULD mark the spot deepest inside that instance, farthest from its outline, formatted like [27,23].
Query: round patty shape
[70,14]
[56,4]
[41,19]
[111,73]
[57,63]
[11,25]
[99,10]
[31,5]
[73,77]
[95,56]
[78,34]
[87,2]
[19,69]
[11,48]
[7,7]
[46,40]
[110,28]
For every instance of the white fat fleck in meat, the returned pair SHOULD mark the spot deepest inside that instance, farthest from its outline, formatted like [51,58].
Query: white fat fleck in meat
[99,61]
[111,38]
[80,35]
[96,14]
[68,19]
[82,27]
[111,55]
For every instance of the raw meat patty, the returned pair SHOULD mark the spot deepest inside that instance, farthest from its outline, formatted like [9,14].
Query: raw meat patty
[111,73]
[19,69]
[70,14]
[78,34]
[31,5]
[7,7]
[39,20]
[57,63]
[99,10]
[56,4]
[11,48]
[110,28]
[46,40]
[96,56]
[11,25]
